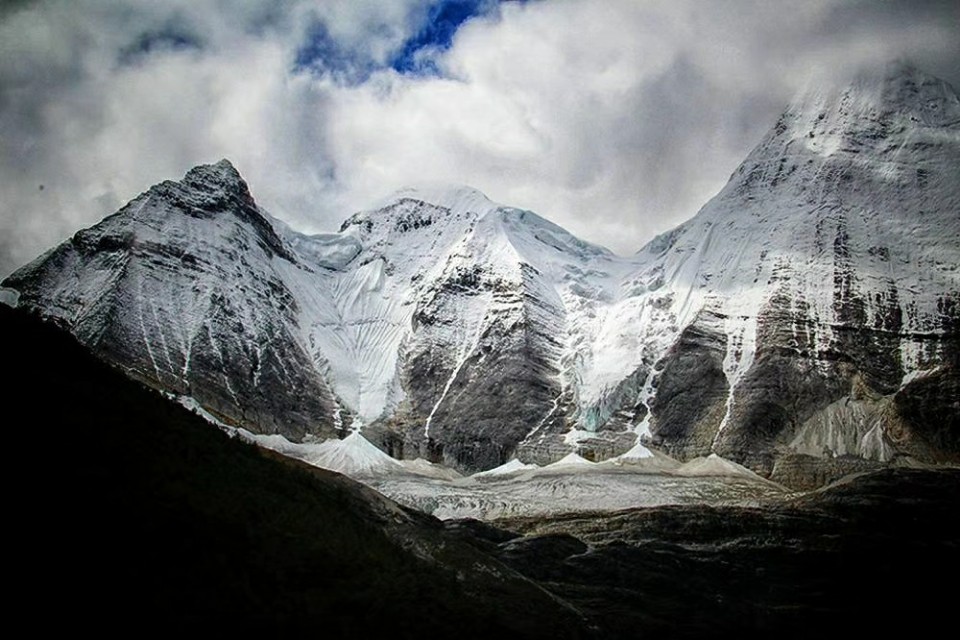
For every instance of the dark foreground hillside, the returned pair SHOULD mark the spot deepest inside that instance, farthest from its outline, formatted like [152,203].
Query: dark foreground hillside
[875,555]
[129,513]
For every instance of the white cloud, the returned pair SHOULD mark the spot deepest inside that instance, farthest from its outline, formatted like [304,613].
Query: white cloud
[616,119]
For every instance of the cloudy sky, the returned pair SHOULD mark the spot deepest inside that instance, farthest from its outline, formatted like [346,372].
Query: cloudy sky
[617,119]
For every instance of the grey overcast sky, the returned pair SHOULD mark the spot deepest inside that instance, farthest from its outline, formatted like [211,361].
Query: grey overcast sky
[617,119]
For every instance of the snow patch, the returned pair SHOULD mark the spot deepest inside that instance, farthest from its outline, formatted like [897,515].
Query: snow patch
[575,436]
[352,456]
[191,404]
[507,468]
[714,465]
[917,374]
[571,460]
[9,297]
[873,446]
[637,452]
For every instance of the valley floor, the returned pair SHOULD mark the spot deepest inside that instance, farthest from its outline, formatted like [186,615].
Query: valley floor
[655,549]
[546,493]
[571,485]
[876,555]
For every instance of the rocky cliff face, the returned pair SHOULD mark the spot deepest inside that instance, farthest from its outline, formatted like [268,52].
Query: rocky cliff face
[806,319]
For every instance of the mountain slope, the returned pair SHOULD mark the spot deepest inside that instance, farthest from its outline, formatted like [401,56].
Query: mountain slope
[807,318]
[183,288]
[819,289]
[143,511]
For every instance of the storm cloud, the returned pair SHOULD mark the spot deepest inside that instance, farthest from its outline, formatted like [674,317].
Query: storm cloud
[616,119]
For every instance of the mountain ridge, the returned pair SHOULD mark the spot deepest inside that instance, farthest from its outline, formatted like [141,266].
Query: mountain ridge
[467,332]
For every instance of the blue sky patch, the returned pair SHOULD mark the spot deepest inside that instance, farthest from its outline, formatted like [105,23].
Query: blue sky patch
[442,21]
[322,54]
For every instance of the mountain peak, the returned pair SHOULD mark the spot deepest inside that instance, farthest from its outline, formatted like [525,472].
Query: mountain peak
[207,191]
[465,331]
[415,207]
[452,196]
[901,87]
[219,177]
[901,70]
[209,188]
[892,98]
[222,170]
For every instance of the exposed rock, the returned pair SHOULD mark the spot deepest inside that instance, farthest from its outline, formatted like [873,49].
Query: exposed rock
[691,391]
[806,472]
[928,412]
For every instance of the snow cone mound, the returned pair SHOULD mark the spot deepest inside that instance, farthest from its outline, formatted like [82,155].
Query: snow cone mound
[506,469]
[714,465]
[570,461]
[353,456]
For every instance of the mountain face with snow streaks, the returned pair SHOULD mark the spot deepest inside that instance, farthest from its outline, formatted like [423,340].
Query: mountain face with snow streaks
[807,318]
[828,273]
[183,288]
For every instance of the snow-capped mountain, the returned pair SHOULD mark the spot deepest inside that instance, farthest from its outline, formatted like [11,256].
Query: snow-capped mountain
[817,295]
[184,288]
[809,311]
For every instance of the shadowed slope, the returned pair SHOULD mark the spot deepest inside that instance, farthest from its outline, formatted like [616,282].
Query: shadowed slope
[141,511]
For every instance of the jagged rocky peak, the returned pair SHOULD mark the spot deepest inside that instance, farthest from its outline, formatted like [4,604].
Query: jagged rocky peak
[211,189]
[220,174]
[208,187]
